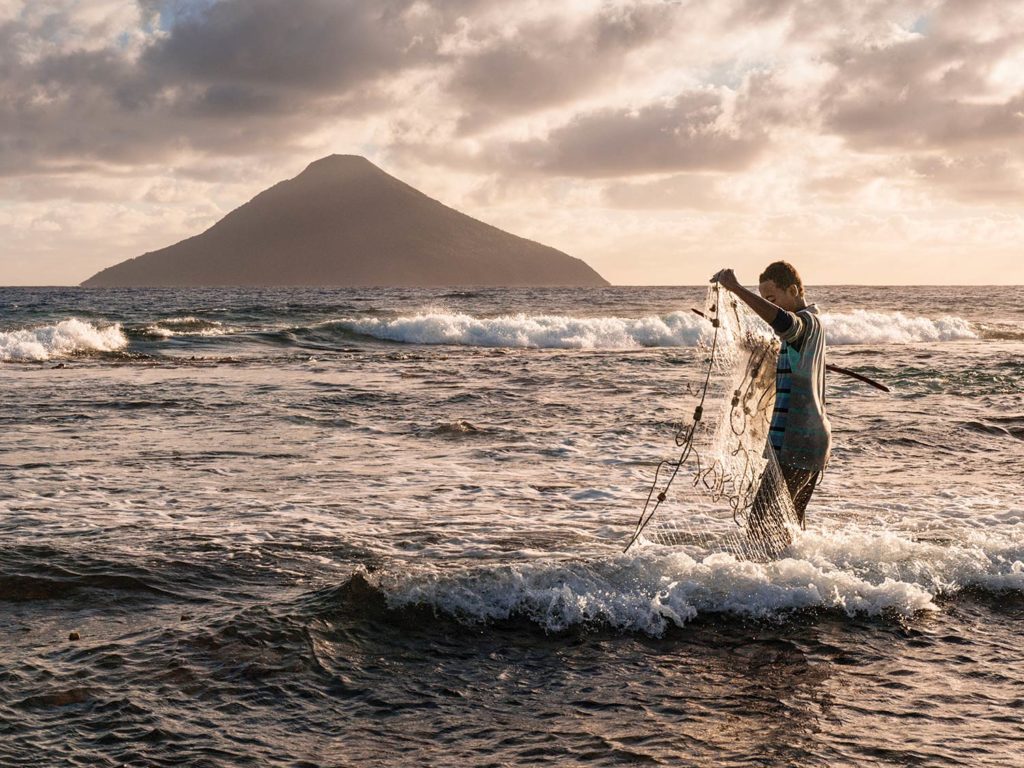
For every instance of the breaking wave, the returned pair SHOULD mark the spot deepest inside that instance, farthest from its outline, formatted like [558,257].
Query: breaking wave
[676,329]
[64,339]
[864,327]
[73,336]
[850,571]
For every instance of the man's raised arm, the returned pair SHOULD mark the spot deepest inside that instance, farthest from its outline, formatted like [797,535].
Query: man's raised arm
[764,308]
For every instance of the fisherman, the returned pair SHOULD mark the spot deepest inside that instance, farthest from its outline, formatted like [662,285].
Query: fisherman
[799,432]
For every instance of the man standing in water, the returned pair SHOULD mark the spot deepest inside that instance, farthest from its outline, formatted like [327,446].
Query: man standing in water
[799,433]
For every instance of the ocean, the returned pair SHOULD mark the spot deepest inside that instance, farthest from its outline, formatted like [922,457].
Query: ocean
[299,527]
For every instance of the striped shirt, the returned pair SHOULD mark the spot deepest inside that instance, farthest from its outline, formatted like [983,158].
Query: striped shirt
[783,386]
[784,325]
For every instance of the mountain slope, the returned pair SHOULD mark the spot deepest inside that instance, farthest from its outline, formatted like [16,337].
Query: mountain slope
[345,222]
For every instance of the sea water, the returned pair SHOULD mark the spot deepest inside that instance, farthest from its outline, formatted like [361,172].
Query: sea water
[300,527]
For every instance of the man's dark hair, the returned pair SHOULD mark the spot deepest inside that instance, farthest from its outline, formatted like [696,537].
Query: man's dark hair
[783,274]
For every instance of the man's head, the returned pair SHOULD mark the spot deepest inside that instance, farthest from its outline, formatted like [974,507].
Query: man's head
[780,284]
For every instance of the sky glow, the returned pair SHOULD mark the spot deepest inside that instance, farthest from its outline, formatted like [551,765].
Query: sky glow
[867,142]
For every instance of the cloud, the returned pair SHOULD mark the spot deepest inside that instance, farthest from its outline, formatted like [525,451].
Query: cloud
[309,45]
[238,77]
[694,131]
[988,178]
[697,191]
[928,91]
[548,61]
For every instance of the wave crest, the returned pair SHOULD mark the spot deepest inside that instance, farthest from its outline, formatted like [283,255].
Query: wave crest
[650,592]
[186,326]
[64,339]
[676,329]
[865,327]
[850,571]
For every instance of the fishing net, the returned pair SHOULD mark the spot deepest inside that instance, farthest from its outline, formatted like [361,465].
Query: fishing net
[725,491]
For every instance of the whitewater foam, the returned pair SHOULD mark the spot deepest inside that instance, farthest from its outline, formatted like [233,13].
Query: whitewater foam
[186,326]
[676,329]
[980,559]
[864,327]
[849,570]
[534,331]
[64,339]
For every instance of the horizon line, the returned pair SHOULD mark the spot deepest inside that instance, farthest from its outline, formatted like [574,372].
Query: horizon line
[494,287]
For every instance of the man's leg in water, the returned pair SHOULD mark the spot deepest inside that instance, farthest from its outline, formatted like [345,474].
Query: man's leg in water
[766,523]
[801,486]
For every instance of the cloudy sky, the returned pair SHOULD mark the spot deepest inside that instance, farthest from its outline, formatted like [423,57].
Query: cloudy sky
[867,141]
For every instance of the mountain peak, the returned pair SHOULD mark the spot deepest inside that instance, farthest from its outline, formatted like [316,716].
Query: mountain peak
[340,163]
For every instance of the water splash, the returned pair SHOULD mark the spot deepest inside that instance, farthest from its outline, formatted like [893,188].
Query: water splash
[64,339]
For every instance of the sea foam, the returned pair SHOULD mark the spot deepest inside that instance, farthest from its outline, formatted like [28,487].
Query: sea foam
[851,571]
[186,326]
[864,327]
[66,338]
[676,329]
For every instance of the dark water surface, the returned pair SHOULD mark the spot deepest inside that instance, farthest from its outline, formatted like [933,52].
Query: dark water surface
[310,527]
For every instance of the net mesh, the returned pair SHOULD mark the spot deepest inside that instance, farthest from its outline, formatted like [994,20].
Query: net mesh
[725,490]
